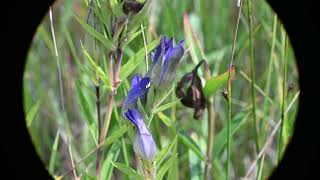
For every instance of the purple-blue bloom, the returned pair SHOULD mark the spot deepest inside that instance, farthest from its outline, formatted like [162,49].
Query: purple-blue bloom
[165,61]
[143,143]
[139,87]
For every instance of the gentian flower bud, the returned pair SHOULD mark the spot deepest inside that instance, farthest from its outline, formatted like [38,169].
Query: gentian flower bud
[143,143]
[165,62]
[139,87]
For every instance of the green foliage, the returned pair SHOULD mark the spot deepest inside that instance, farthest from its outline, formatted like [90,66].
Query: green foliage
[217,82]
[208,29]
[127,170]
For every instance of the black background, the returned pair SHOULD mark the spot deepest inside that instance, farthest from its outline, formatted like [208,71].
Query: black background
[19,20]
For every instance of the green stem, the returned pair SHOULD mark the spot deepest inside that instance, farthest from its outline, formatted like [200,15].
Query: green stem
[153,173]
[267,87]
[284,71]
[230,96]
[208,164]
[115,77]
[253,91]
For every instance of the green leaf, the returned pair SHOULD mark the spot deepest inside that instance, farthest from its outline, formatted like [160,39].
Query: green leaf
[87,176]
[196,51]
[73,49]
[98,69]
[88,114]
[127,170]
[187,141]
[165,151]
[259,177]
[220,139]
[116,8]
[107,168]
[131,37]
[162,171]
[118,133]
[32,113]
[214,83]
[163,97]
[165,119]
[165,106]
[104,40]
[134,61]
[54,153]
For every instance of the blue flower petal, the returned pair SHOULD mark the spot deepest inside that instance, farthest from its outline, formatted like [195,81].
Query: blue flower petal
[135,80]
[169,44]
[139,88]
[159,51]
[144,146]
[171,61]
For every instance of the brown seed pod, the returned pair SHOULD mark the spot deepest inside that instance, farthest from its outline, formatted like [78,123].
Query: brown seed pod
[190,91]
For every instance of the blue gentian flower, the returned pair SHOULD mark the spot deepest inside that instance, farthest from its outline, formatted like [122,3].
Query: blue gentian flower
[165,61]
[139,87]
[143,143]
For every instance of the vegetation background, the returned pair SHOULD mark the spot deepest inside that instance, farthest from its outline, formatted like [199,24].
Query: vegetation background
[208,28]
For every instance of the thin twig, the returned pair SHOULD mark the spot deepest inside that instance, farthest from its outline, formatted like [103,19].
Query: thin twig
[83,159]
[271,136]
[61,92]
[263,149]
[110,100]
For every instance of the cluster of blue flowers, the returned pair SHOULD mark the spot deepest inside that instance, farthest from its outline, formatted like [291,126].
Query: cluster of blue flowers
[165,61]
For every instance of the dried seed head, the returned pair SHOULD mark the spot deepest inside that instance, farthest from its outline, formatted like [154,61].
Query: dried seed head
[190,91]
[132,6]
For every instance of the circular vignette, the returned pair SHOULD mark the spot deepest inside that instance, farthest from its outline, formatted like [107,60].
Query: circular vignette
[303,33]
[301,150]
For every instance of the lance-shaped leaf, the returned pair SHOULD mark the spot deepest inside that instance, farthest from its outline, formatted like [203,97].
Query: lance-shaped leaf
[135,60]
[214,83]
[104,40]
[98,69]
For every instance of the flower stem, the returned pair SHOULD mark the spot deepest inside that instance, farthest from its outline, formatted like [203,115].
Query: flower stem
[253,92]
[153,171]
[110,100]
[284,57]
[208,164]
[230,95]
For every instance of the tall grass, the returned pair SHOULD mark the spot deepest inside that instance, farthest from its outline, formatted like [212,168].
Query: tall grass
[75,122]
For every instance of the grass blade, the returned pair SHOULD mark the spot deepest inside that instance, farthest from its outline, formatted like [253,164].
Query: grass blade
[259,177]
[165,151]
[127,170]
[187,141]
[98,69]
[32,113]
[87,112]
[165,106]
[134,61]
[162,171]
[221,138]
[104,40]
[116,135]
[54,152]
